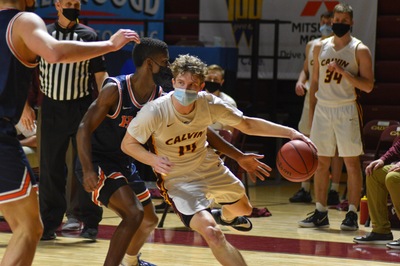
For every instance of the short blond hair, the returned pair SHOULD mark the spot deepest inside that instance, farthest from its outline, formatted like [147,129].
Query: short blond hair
[216,67]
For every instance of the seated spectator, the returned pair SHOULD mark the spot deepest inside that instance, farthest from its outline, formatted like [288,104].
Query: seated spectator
[214,81]
[383,179]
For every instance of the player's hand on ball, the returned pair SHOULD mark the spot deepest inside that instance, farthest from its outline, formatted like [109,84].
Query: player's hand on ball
[300,136]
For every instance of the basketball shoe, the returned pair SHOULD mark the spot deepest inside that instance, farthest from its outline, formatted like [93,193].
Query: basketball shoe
[315,219]
[350,222]
[72,224]
[89,233]
[394,244]
[239,224]
[301,196]
[143,263]
[333,198]
[374,239]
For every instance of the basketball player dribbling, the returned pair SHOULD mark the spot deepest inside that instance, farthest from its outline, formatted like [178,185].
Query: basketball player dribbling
[191,173]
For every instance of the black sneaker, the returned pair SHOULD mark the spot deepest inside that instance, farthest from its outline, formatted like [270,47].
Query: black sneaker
[333,198]
[394,244]
[316,219]
[89,233]
[301,196]
[143,263]
[350,222]
[239,224]
[49,235]
[374,239]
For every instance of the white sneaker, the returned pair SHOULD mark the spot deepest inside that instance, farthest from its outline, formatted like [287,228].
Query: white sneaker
[71,224]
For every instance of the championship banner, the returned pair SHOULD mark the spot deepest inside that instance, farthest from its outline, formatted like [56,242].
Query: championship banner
[303,17]
[108,16]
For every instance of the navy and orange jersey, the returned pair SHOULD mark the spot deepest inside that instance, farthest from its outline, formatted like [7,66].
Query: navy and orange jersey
[16,176]
[107,138]
[15,73]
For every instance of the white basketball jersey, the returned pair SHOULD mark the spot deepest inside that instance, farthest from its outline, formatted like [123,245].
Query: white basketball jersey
[333,88]
[181,138]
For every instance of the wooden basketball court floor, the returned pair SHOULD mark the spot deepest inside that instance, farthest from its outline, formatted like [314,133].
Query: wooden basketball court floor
[274,240]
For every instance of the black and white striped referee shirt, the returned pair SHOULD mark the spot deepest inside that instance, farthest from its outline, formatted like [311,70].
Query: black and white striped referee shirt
[70,81]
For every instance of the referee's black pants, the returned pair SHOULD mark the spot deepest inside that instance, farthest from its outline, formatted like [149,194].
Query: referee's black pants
[59,124]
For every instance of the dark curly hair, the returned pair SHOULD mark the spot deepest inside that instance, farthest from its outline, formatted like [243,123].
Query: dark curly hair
[148,47]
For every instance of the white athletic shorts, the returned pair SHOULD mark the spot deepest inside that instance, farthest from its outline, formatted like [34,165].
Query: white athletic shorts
[197,190]
[337,126]
[304,123]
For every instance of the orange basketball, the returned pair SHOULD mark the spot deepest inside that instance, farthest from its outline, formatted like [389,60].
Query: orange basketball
[297,161]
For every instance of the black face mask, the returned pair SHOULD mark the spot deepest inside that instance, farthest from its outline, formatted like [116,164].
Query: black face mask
[212,86]
[340,29]
[71,14]
[163,78]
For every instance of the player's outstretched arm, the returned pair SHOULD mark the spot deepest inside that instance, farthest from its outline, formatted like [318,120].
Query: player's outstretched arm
[31,38]
[248,161]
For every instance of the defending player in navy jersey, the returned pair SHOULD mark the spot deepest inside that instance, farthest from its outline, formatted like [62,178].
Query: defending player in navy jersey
[103,163]
[23,38]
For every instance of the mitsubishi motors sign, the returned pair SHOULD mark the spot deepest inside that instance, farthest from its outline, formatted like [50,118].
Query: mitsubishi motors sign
[303,17]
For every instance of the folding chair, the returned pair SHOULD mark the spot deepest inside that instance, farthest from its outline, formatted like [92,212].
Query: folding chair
[371,133]
[386,140]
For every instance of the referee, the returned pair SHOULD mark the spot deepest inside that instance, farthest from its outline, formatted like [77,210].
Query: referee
[67,90]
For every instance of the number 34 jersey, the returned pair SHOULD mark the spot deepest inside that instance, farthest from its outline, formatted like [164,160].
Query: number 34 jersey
[333,88]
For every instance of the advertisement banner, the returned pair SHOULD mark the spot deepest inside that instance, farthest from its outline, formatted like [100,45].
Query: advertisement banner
[302,17]
[107,16]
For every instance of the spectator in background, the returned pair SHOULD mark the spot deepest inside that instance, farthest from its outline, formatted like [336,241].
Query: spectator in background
[214,81]
[67,90]
[383,180]
[302,87]
[342,64]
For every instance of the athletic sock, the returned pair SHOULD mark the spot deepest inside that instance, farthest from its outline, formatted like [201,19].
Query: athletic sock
[306,186]
[352,208]
[129,260]
[320,207]
[335,186]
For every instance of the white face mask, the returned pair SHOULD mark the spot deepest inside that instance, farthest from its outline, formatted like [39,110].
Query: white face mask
[185,97]
[326,30]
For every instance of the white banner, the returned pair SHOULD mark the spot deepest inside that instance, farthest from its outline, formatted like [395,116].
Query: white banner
[304,18]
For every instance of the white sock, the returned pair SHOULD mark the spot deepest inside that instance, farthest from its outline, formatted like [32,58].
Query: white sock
[306,186]
[320,207]
[352,208]
[129,260]
[335,186]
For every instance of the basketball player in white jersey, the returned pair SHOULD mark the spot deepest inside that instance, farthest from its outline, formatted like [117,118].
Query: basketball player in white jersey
[193,175]
[342,63]
[302,89]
